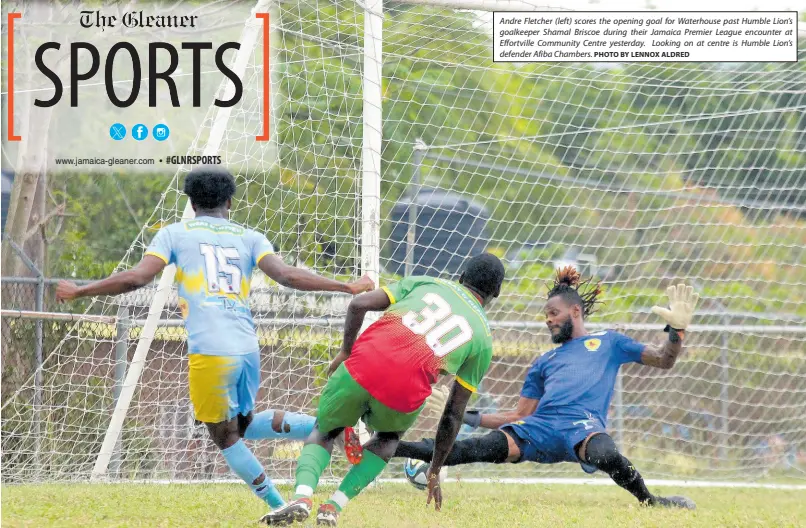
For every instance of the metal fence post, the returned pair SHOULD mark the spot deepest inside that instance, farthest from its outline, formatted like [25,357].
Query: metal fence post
[724,394]
[725,379]
[38,377]
[411,236]
[618,404]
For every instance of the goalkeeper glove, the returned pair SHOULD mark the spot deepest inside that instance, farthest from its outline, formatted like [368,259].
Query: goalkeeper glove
[472,418]
[436,402]
[682,301]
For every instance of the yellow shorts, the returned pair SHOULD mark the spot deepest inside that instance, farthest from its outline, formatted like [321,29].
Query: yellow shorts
[222,387]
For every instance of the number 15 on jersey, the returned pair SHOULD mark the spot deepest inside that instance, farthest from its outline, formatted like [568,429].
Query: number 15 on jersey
[220,266]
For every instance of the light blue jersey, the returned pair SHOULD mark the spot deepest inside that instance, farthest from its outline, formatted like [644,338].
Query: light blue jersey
[214,261]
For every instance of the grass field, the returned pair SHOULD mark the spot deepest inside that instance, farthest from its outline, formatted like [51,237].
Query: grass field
[398,505]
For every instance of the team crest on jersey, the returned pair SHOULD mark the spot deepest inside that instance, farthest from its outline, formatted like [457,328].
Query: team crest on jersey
[593,344]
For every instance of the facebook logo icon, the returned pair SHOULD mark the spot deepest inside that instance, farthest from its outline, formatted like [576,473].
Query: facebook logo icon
[139,132]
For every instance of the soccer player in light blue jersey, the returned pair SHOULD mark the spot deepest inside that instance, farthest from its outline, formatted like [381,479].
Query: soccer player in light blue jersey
[214,261]
[562,412]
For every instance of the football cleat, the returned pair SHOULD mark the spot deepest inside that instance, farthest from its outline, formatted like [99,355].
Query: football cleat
[352,446]
[294,511]
[674,502]
[327,515]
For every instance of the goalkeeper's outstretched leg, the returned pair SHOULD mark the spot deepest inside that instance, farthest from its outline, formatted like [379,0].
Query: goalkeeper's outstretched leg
[597,450]
[600,451]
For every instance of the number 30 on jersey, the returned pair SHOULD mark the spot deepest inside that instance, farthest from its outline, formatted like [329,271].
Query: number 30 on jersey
[436,321]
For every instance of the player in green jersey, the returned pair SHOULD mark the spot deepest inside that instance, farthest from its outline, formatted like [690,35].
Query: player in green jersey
[429,327]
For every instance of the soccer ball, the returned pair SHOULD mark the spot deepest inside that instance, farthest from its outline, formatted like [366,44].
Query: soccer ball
[415,473]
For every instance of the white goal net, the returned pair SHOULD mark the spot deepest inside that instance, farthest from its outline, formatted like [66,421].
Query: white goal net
[640,175]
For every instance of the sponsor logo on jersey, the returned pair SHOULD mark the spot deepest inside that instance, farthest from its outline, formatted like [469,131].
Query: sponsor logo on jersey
[593,344]
[586,423]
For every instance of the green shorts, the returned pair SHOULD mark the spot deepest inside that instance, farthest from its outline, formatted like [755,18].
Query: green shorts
[344,401]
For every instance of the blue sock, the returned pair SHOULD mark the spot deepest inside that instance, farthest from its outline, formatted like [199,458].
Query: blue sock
[243,462]
[295,426]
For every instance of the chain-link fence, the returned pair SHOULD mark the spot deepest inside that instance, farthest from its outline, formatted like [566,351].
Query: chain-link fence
[33,323]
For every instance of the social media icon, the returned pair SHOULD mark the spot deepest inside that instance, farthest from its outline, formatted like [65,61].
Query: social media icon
[117,131]
[139,132]
[161,132]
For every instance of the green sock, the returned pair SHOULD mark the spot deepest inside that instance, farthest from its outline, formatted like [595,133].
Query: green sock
[312,462]
[358,478]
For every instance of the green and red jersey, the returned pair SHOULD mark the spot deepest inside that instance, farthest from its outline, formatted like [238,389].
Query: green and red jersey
[432,326]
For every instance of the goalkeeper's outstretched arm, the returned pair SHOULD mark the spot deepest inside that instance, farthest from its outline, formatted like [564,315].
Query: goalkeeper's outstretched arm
[682,301]
[665,356]
[526,406]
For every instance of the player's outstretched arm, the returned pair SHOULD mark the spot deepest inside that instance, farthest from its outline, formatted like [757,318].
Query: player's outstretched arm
[304,280]
[123,282]
[665,356]
[682,301]
[447,430]
[526,406]
[374,301]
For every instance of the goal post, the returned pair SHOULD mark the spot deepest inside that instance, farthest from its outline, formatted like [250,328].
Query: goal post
[248,43]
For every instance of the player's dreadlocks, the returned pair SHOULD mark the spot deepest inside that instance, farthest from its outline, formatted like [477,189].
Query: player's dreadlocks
[569,284]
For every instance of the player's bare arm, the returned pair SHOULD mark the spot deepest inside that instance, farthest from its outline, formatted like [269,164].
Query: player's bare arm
[447,430]
[665,356]
[526,406]
[374,301]
[123,282]
[304,280]
[682,301]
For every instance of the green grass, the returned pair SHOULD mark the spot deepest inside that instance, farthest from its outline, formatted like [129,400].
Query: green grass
[398,505]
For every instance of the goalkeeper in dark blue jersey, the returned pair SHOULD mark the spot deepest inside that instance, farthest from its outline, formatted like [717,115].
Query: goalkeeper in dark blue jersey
[562,411]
